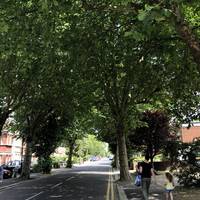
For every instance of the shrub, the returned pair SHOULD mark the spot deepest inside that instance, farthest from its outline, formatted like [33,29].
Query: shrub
[36,168]
[55,164]
[188,171]
[189,175]
[46,165]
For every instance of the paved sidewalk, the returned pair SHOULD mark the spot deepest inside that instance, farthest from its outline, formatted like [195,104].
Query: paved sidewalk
[128,191]
[133,192]
[157,192]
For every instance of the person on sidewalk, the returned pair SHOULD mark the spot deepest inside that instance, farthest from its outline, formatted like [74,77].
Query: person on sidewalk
[169,186]
[1,174]
[15,172]
[146,171]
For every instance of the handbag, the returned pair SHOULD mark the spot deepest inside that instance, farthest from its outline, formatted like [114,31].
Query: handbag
[138,180]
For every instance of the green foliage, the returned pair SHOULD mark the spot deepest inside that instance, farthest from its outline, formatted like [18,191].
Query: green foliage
[76,130]
[48,137]
[46,164]
[116,57]
[154,134]
[37,168]
[104,129]
[58,158]
[56,164]
[188,165]
[90,146]
[189,176]
[171,150]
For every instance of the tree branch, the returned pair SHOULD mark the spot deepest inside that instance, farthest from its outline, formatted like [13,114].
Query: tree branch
[186,34]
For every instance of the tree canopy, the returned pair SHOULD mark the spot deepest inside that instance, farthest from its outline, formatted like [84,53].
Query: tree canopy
[69,58]
[154,134]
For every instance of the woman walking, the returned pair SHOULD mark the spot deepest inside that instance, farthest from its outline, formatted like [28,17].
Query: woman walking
[146,171]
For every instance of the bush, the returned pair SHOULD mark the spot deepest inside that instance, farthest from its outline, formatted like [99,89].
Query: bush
[36,168]
[56,160]
[189,176]
[46,165]
[56,164]
[187,167]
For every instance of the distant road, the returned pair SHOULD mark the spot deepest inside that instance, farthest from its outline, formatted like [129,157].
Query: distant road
[91,180]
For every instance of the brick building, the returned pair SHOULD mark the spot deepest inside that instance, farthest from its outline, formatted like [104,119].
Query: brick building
[188,135]
[10,147]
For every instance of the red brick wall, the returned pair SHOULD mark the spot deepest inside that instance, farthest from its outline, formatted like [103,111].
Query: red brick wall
[6,139]
[4,159]
[5,147]
[188,135]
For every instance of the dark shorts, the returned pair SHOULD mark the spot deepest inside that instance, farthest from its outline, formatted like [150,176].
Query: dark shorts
[168,191]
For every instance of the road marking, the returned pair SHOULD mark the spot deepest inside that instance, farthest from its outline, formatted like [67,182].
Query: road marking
[56,196]
[110,188]
[61,183]
[9,186]
[56,185]
[69,178]
[34,195]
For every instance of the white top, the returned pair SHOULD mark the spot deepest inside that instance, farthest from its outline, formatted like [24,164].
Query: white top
[169,185]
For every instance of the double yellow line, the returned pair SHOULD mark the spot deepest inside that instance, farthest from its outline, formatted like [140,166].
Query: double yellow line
[110,188]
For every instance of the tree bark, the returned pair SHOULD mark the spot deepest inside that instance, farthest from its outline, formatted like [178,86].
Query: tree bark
[117,157]
[3,117]
[27,161]
[71,149]
[123,159]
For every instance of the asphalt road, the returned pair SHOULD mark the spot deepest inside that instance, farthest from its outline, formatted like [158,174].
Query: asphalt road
[89,181]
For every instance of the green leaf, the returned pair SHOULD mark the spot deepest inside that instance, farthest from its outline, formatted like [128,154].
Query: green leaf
[135,35]
[142,15]
[55,3]
[44,4]
[166,12]
[3,27]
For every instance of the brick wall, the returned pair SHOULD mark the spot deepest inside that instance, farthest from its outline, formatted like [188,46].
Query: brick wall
[9,149]
[188,135]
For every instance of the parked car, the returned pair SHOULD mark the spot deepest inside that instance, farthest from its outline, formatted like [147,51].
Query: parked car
[7,173]
[110,157]
[14,166]
[93,158]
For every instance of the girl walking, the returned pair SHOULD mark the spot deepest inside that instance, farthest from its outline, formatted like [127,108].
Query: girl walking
[169,186]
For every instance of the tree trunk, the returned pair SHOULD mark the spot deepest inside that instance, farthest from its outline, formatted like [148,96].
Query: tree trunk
[117,157]
[151,160]
[187,35]
[3,117]
[123,158]
[69,161]
[27,161]
[150,152]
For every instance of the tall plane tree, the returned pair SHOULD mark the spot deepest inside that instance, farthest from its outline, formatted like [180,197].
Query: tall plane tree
[126,70]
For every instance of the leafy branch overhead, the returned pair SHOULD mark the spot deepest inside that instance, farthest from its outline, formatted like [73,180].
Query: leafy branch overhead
[65,64]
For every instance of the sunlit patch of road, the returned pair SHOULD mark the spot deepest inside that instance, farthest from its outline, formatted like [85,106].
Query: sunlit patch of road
[102,162]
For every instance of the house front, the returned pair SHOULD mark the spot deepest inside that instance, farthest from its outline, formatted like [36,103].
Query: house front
[10,147]
[189,135]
